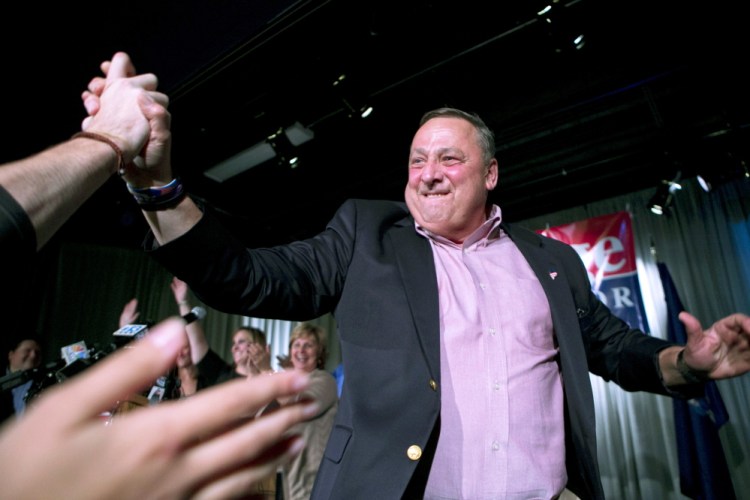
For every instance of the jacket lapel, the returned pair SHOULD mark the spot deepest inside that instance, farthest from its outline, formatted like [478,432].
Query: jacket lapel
[567,329]
[416,265]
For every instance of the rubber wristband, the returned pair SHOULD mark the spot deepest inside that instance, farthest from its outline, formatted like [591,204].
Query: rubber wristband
[690,375]
[156,198]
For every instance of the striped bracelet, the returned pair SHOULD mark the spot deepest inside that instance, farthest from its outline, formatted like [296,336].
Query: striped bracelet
[159,197]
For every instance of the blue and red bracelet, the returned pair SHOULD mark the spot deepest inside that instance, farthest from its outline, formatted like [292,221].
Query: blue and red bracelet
[159,197]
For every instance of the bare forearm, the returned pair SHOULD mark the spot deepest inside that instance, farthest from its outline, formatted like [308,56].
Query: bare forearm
[51,185]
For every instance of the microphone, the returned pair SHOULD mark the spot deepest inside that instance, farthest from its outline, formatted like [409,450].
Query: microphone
[53,366]
[195,313]
[14,379]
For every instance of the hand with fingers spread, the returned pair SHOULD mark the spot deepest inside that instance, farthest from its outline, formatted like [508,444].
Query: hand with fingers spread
[200,447]
[259,358]
[129,312]
[721,351]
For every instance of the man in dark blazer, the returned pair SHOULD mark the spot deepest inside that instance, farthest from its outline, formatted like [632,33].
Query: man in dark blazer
[377,268]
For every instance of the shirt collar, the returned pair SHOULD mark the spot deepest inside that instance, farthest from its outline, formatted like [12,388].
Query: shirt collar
[488,232]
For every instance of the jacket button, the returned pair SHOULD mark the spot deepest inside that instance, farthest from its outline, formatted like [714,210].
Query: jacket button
[433,385]
[414,452]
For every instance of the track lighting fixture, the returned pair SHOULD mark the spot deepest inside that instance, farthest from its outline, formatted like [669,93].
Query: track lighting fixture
[354,100]
[281,145]
[662,199]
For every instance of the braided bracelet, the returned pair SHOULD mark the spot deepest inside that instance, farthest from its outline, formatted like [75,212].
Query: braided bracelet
[158,197]
[110,143]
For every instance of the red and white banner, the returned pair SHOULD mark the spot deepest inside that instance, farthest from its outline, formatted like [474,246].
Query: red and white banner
[607,249]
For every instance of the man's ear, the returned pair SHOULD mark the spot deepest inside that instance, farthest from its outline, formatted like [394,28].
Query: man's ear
[490,178]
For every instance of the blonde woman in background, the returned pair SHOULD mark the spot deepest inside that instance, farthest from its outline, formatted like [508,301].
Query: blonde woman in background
[307,353]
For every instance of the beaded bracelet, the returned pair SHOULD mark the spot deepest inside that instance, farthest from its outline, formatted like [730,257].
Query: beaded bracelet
[110,143]
[159,197]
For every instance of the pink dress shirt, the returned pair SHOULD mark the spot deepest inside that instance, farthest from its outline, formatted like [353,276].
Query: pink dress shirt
[502,424]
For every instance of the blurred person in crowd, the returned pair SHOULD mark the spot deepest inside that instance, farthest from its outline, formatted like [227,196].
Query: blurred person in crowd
[308,353]
[24,354]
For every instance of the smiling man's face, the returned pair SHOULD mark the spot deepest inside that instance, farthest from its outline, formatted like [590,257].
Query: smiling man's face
[448,179]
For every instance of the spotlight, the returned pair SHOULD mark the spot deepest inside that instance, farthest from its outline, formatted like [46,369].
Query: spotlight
[365,111]
[564,32]
[729,168]
[285,153]
[707,181]
[662,199]
[354,99]
[357,110]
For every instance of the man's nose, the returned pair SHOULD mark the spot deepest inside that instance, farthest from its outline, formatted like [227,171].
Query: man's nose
[431,171]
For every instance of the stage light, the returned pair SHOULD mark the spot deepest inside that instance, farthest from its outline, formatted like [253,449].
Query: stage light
[353,98]
[562,29]
[706,181]
[242,161]
[357,110]
[298,134]
[281,145]
[662,199]
[365,111]
[728,168]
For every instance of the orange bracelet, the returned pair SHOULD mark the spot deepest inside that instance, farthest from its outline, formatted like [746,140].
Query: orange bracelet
[111,143]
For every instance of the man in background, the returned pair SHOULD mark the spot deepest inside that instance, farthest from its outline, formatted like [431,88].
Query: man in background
[24,354]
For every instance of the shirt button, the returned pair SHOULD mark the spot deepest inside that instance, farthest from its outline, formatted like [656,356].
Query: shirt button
[414,452]
[492,331]
[495,446]
[496,385]
[433,385]
[482,286]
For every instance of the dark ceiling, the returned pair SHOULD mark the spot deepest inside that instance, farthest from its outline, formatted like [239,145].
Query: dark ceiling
[658,86]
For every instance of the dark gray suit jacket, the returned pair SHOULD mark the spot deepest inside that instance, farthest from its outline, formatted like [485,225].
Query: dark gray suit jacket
[373,271]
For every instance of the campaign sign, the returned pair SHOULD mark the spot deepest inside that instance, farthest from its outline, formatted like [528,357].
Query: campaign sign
[606,246]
